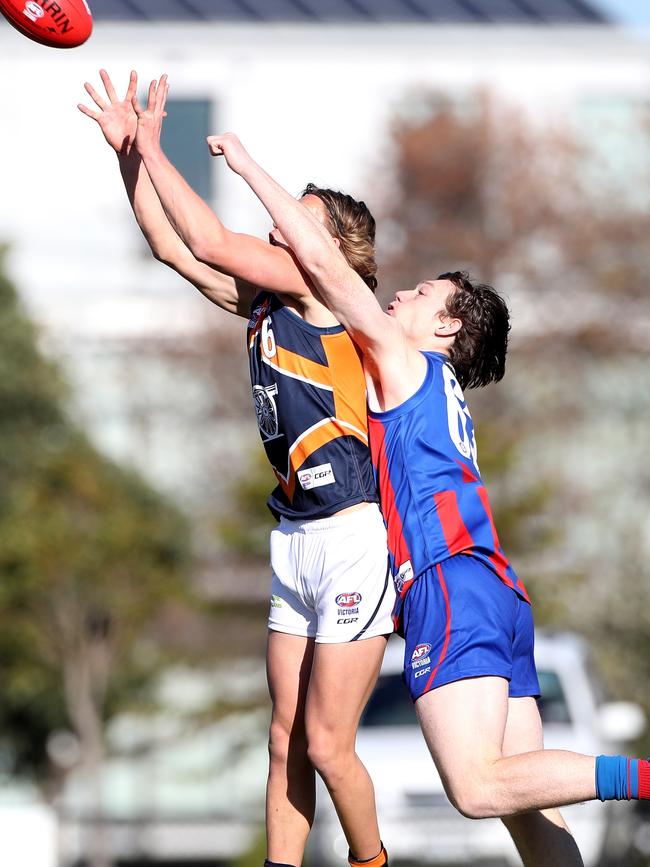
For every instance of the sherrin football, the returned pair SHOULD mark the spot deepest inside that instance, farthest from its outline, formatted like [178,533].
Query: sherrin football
[57,23]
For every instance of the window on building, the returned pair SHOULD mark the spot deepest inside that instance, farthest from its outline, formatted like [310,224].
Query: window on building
[186,126]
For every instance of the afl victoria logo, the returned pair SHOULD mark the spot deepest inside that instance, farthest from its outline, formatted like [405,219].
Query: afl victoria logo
[420,651]
[348,600]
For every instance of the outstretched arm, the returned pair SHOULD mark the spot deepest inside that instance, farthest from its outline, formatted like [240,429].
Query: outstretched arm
[118,123]
[345,293]
[242,256]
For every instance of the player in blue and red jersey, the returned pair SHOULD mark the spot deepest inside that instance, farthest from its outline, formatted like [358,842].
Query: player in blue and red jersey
[465,615]
[331,593]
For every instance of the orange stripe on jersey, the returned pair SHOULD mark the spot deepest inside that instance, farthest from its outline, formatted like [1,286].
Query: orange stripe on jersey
[314,440]
[347,378]
[291,362]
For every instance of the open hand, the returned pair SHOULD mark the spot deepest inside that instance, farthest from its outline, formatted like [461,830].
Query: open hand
[149,126]
[228,145]
[116,118]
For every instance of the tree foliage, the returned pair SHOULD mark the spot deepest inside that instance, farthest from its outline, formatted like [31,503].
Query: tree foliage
[90,557]
[563,439]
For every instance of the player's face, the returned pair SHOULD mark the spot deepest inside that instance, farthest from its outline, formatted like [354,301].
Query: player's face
[421,311]
[313,204]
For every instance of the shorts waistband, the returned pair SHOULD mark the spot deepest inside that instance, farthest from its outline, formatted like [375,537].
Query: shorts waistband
[365,516]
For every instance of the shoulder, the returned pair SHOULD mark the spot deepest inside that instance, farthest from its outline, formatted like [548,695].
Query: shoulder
[399,374]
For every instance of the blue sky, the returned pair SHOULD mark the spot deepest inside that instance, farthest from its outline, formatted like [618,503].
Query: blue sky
[635,12]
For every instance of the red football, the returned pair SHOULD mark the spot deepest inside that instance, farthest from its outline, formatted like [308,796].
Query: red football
[60,24]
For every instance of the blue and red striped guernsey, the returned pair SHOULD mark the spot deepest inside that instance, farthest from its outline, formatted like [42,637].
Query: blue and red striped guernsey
[432,496]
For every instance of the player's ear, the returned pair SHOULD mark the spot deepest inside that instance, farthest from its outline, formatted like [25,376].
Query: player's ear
[337,241]
[448,326]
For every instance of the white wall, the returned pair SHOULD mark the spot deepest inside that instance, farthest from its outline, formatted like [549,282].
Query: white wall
[310,102]
[29,836]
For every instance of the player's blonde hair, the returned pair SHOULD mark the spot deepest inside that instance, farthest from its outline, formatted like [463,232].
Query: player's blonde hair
[352,223]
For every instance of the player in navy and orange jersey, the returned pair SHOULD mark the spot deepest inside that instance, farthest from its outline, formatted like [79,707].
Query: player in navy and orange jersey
[331,595]
[465,615]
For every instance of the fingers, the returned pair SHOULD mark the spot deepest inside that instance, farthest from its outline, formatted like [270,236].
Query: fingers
[214,145]
[133,86]
[161,93]
[137,108]
[156,98]
[108,84]
[151,99]
[96,98]
[94,114]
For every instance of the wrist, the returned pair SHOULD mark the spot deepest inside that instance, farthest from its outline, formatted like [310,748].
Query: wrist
[150,152]
[128,158]
[249,170]
[129,163]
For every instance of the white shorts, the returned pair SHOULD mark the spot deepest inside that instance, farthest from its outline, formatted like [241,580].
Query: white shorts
[331,579]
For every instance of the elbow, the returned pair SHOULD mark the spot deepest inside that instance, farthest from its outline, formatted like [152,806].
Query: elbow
[317,263]
[210,247]
[209,252]
[165,255]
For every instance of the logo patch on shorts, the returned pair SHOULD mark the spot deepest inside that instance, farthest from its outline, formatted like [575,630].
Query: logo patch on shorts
[423,671]
[316,477]
[276,601]
[421,657]
[348,603]
[404,575]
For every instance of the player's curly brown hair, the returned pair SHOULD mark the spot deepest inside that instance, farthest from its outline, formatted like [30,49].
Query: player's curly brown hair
[478,352]
[352,223]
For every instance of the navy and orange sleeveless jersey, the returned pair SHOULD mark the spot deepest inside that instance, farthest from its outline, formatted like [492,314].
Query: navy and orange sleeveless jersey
[432,496]
[309,394]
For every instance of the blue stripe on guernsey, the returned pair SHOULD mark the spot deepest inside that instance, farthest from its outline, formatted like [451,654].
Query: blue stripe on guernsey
[433,499]
[309,394]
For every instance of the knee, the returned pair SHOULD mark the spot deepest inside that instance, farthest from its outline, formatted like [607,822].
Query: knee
[285,741]
[472,800]
[327,754]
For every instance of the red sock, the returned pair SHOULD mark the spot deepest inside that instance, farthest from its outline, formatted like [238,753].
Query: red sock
[644,780]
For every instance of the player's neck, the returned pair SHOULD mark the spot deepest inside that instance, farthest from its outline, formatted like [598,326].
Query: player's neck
[435,344]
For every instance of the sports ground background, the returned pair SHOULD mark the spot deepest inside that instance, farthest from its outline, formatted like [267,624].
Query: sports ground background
[511,139]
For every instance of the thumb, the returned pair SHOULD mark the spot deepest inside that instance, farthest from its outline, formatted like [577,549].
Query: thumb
[137,108]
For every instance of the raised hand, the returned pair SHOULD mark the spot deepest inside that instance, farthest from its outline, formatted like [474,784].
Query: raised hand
[228,145]
[147,138]
[116,118]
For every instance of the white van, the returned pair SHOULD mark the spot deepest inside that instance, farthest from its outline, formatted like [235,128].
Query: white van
[418,824]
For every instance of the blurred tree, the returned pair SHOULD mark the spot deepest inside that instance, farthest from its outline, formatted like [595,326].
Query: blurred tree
[90,558]
[563,439]
[245,528]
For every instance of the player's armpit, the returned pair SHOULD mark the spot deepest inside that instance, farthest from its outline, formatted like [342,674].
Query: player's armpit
[398,372]
[233,295]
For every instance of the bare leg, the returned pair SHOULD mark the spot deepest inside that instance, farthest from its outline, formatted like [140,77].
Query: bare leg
[343,676]
[464,725]
[541,837]
[290,791]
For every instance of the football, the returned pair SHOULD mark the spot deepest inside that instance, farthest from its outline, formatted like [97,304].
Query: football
[60,24]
